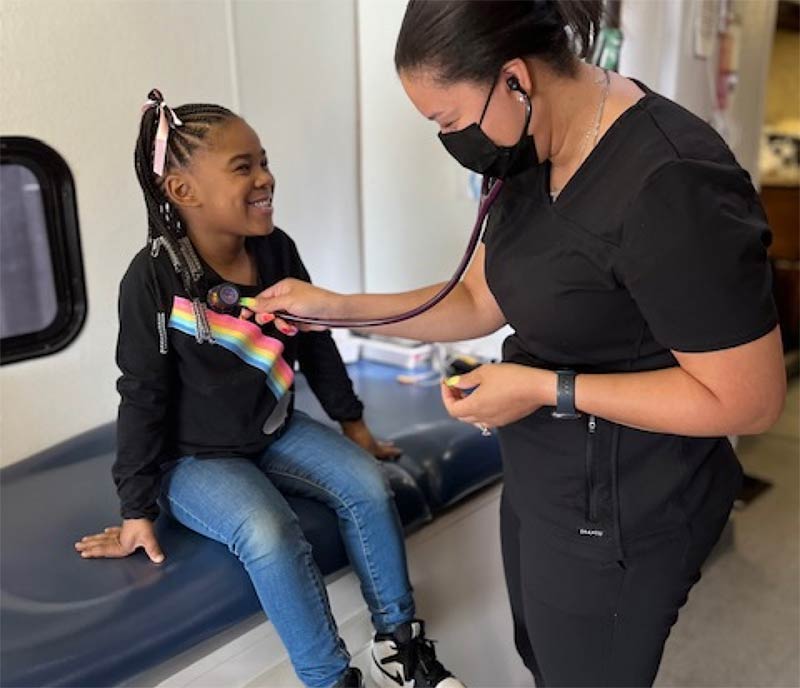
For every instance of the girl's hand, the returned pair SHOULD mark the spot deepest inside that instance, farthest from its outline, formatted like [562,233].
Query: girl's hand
[503,393]
[119,542]
[297,298]
[359,433]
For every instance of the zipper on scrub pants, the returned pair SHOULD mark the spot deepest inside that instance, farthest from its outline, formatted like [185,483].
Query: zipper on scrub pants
[591,515]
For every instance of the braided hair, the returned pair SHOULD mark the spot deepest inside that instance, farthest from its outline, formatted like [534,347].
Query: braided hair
[189,128]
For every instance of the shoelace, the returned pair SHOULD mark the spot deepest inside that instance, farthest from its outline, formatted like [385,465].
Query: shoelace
[406,656]
[426,658]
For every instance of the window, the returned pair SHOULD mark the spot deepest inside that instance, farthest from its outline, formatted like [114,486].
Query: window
[42,291]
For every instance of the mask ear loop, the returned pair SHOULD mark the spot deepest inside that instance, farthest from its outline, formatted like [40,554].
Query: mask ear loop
[488,99]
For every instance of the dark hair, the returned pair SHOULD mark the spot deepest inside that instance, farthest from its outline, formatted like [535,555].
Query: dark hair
[165,229]
[472,39]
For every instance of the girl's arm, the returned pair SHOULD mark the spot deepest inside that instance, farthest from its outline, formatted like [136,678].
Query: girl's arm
[116,542]
[469,311]
[144,389]
[142,435]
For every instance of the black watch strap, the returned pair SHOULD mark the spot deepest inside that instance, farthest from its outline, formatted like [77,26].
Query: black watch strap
[565,396]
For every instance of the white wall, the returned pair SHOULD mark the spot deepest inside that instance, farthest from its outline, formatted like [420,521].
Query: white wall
[416,212]
[417,215]
[74,74]
[297,77]
[749,103]
[659,50]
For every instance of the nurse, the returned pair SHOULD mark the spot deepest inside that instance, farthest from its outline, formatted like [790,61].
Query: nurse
[627,250]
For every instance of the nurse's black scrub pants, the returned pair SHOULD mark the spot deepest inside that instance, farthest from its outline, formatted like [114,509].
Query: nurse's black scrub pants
[583,622]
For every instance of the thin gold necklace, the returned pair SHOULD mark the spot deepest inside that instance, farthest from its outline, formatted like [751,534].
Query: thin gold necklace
[592,132]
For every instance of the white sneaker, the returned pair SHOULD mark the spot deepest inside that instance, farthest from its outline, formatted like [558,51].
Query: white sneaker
[407,659]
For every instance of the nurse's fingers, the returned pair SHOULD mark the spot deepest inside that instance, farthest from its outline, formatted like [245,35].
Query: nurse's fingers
[306,327]
[285,328]
[449,396]
[467,407]
[458,405]
[264,318]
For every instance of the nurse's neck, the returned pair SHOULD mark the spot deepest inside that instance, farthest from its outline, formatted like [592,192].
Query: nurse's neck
[569,106]
[570,127]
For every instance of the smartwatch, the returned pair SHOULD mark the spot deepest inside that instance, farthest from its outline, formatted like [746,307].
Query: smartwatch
[565,396]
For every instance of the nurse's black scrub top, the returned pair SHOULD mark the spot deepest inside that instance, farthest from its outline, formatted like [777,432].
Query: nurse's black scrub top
[657,243]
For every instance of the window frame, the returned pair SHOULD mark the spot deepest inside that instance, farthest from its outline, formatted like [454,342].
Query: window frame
[57,188]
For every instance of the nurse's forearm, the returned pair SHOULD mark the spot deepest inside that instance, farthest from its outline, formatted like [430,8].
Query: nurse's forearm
[673,401]
[457,317]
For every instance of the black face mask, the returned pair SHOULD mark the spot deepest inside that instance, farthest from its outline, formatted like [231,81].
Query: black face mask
[477,152]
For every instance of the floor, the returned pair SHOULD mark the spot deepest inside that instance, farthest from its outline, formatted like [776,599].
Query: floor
[741,626]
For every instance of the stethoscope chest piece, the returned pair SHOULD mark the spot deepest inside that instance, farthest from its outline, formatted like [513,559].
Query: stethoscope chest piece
[224,298]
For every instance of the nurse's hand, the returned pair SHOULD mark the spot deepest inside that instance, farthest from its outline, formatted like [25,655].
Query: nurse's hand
[498,394]
[116,542]
[297,298]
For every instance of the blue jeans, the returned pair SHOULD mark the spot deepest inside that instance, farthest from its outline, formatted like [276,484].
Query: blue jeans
[239,502]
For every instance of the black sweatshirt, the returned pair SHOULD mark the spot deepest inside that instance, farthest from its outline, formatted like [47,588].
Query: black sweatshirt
[212,399]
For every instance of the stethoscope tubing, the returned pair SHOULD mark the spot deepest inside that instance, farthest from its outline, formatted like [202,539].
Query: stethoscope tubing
[490,189]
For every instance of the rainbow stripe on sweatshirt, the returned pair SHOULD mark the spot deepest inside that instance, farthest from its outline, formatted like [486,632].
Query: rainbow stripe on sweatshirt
[241,337]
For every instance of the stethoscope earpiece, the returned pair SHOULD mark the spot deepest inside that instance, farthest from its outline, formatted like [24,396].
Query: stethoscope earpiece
[513,83]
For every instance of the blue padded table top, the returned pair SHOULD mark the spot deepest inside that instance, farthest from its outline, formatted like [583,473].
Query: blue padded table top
[70,622]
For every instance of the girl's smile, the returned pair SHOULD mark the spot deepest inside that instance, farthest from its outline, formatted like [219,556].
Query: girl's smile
[262,205]
[229,189]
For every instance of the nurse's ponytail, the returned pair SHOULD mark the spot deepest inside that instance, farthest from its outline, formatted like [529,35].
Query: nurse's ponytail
[472,39]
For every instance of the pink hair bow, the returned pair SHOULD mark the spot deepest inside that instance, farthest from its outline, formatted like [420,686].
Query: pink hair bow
[166,119]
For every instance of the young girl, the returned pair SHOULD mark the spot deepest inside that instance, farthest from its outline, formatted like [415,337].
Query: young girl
[206,423]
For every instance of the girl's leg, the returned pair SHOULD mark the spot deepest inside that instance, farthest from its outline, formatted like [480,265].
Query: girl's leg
[315,461]
[231,501]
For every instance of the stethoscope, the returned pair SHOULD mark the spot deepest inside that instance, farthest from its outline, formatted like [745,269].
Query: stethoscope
[225,297]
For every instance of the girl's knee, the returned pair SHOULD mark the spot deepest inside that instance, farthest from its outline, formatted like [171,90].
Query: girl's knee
[264,534]
[374,492]
[368,480]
